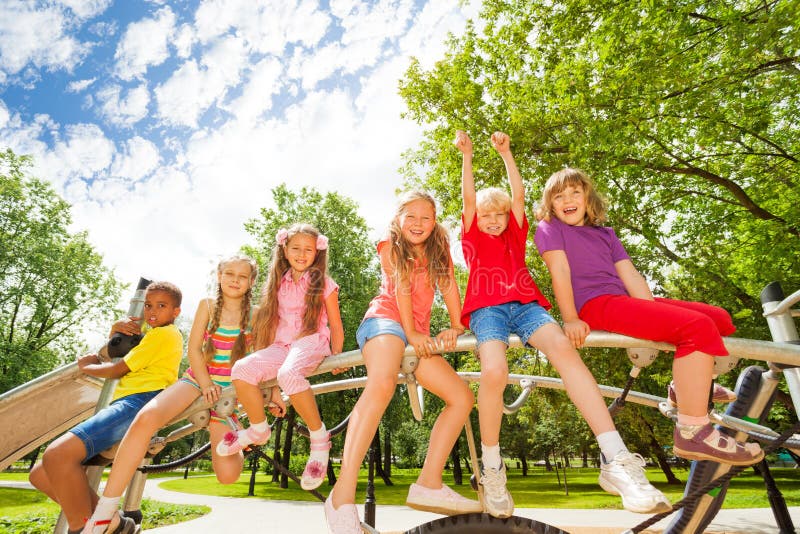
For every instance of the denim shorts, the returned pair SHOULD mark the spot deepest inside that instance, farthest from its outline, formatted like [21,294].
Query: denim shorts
[108,426]
[377,326]
[499,321]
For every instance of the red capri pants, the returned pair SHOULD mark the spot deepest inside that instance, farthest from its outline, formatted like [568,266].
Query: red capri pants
[690,326]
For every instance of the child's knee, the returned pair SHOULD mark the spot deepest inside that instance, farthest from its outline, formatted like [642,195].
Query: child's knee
[494,376]
[292,381]
[380,389]
[244,372]
[464,399]
[227,477]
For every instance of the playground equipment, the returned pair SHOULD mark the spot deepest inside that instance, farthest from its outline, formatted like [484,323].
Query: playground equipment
[755,388]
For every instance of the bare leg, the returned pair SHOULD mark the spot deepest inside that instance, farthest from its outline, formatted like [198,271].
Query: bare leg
[578,381]
[438,377]
[153,416]
[252,400]
[382,356]
[306,405]
[63,479]
[692,378]
[227,468]
[494,376]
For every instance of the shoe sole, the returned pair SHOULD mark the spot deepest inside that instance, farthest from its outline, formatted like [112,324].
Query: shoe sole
[309,487]
[659,507]
[688,455]
[442,510]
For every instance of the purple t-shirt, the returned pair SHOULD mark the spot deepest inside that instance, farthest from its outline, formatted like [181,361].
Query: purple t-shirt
[591,252]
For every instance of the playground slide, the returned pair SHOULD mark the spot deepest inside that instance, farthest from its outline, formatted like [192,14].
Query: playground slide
[44,408]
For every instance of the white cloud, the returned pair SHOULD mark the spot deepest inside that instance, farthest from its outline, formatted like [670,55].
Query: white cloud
[79,85]
[256,98]
[123,109]
[85,9]
[144,44]
[137,159]
[81,153]
[37,36]
[183,41]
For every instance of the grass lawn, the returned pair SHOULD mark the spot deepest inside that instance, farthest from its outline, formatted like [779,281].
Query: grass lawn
[539,489]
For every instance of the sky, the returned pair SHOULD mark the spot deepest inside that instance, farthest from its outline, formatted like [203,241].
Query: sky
[165,124]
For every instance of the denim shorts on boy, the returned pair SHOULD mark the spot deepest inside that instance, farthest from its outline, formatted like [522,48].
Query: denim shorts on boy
[498,322]
[376,326]
[108,426]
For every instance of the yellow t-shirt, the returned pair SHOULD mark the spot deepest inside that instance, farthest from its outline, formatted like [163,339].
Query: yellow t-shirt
[153,362]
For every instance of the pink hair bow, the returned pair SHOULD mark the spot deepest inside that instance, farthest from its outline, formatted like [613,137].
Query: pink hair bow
[322,242]
[282,236]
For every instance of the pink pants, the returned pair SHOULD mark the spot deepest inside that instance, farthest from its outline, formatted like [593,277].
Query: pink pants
[690,326]
[291,363]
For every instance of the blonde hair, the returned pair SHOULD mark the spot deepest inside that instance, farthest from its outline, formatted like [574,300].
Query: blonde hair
[265,322]
[493,198]
[436,249]
[240,346]
[595,204]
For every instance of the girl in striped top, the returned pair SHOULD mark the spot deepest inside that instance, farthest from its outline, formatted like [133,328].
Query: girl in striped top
[220,335]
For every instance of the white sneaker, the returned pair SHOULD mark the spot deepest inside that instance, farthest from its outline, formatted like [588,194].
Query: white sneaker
[496,498]
[624,476]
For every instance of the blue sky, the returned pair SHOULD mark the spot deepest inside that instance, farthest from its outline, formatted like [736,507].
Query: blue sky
[166,124]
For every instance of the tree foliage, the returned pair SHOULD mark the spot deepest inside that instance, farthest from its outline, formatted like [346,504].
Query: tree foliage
[685,113]
[52,282]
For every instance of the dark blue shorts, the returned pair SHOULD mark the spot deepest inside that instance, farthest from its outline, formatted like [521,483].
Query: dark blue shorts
[108,426]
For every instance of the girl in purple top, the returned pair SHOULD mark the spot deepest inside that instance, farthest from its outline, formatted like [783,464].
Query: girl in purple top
[597,286]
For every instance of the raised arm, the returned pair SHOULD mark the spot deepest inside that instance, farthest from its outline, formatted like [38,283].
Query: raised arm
[464,144]
[502,143]
[634,282]
[558,265]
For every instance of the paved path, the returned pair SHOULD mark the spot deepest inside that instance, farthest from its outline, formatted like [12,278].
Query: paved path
[233,515]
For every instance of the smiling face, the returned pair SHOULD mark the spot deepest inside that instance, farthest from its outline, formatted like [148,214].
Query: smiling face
[300,252]
[160,308]
[417,221]
[492,221]
[235,278]
[569,205]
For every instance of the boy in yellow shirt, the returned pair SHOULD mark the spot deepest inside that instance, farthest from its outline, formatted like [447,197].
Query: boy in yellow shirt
[148,368]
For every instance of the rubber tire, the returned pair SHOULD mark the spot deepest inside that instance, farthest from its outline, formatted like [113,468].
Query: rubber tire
[484,524]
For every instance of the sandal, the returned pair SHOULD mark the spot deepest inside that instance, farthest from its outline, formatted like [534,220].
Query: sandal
[234,442]
[317,465]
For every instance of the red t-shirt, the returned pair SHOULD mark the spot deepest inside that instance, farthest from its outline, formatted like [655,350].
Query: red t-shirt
[497,269]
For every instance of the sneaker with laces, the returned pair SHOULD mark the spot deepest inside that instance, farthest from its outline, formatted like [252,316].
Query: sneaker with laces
[342,521]
[440,501]
[118,524]
[496,497]
[624,476]
[706,443]
[317,465]
[719,394]
[234,442]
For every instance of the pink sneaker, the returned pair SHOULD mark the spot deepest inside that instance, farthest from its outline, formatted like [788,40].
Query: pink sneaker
[317,465]
[440,501]
[720,394]
[342,521]
[234,442]
[704,443]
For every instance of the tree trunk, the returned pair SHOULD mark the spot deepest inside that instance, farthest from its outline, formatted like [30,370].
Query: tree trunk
[566,460]
[287,446]
[34,458]
[585,456]
[251,490]
[278,428]
[387,453]
[524,460]
[331,473]
[547,465]
[456,457]
[376,442]
[658,450]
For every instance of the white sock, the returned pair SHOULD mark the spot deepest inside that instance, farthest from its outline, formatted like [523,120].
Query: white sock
[244,437]
[491,456]
[106,508]
[611,444]
[318,436]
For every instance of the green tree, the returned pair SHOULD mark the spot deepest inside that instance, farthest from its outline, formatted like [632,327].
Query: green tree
[685,113]
[52,282]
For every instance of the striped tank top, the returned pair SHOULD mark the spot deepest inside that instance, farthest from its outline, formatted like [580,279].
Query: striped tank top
[219,368]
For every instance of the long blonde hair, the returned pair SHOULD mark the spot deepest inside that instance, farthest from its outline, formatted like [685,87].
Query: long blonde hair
[265,322]
[595,205]
[240,346]
[436,250]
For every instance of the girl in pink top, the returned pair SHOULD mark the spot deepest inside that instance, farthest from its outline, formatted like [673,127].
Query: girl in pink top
[415,260]
[297,325]
[597,286]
